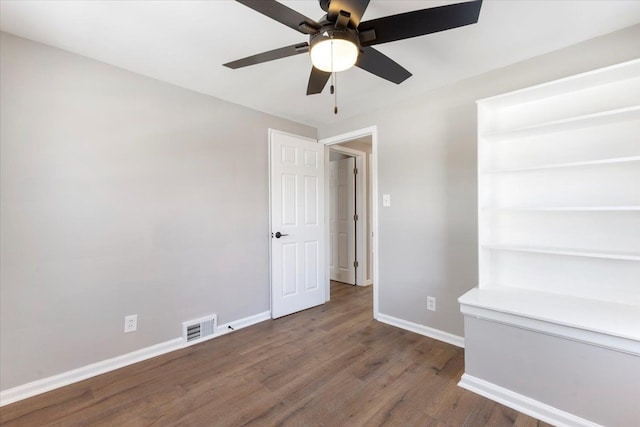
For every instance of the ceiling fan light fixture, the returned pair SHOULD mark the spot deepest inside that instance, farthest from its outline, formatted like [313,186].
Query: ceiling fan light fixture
[335,52]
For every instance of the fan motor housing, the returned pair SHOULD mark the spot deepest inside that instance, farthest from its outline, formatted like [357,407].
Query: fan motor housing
[330,32]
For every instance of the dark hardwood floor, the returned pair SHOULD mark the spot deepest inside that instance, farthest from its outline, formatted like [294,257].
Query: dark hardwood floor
[332,365]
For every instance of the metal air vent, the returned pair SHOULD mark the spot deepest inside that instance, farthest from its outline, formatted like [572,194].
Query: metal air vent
[198,329]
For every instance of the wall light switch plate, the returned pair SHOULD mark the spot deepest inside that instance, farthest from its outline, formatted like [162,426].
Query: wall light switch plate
[386,200]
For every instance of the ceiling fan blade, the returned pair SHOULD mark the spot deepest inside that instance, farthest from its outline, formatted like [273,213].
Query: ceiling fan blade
[317,81]
[355,7]
[377,63]
[283,14]
[420,22]
[282,52]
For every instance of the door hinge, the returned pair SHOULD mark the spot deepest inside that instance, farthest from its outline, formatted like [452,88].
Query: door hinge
[355,217]
[355,264]
[355,171]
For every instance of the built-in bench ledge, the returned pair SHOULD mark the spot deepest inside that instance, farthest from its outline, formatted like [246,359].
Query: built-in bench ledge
[606,324]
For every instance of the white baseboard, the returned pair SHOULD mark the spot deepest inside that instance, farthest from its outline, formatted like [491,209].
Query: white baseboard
[242,323]
[524,404]
[43,385]
[437,334]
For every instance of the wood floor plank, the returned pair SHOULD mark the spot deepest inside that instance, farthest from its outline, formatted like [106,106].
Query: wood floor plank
[331,365]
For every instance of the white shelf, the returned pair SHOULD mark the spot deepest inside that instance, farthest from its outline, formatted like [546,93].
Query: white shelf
[587,120]
[600,162]
[628,256]
[617,72]
[558,208]
[604,323]
[567,209]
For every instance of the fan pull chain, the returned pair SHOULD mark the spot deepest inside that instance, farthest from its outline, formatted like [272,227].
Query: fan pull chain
[335,93]
[334,82]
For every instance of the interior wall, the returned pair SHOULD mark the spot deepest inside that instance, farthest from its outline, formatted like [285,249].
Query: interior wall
[121,195]
[427,163]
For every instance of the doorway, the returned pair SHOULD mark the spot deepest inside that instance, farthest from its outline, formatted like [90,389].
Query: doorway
[359,147]
[349,223]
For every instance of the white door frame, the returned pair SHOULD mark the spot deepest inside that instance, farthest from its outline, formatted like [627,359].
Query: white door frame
[373,132]
[361,209]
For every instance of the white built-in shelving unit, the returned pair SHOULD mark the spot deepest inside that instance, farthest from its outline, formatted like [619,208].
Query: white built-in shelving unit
[559,205]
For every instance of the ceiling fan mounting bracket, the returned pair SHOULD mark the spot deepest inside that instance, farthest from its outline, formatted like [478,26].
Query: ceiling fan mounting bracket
[307,27]
[367,36]
[342,20]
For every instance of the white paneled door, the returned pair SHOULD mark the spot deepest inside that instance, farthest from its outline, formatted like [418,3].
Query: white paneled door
[342,233]
[297,223]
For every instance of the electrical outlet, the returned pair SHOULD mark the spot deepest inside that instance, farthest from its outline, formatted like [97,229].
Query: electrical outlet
[431,303]
[130,323]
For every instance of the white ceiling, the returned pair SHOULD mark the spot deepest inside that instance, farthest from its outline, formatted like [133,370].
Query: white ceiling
[185,43]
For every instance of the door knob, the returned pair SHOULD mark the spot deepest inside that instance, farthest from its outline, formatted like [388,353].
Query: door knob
[279,234]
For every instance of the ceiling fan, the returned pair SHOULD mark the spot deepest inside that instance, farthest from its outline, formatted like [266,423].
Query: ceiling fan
[340,40]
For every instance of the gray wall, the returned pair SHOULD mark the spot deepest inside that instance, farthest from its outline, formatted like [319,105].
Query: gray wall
[427,162]
[121,195]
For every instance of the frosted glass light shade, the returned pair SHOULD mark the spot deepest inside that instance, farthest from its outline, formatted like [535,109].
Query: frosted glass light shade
[345,54]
